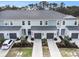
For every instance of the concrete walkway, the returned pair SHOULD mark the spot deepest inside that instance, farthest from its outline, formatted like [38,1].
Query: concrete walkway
[37,48]
[54,51]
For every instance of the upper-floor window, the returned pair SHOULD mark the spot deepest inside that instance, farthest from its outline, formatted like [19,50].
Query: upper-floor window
[11,23]
[40,22]
[29,23]
[23,22]
[58,23]
[75,23]
[46,23]
[63,22]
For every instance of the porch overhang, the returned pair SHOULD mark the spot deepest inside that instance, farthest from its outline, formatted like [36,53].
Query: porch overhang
[73,28]
[44,28]
[2,28]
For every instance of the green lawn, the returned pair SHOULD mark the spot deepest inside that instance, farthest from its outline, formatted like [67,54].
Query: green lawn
[69,52]
[26,52]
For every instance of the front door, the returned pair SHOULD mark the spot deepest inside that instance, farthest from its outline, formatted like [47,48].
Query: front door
[62,31]
[29,31]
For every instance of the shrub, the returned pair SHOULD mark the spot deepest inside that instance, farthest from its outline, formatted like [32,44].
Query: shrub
[32,39]
[44,42]
[61,37]
[55,39]
[26,37]
[66,44]
[17,39]
[23,43]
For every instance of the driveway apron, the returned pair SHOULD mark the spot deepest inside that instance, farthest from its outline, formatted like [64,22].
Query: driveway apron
[37,48]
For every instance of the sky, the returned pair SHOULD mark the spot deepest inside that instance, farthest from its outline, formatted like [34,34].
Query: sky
[25,3]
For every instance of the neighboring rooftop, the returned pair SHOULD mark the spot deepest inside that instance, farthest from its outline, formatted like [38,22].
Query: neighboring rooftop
[31,14]
[2,28]
[73,27]
[43,28]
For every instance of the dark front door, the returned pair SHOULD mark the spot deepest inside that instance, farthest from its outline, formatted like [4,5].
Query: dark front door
[37,35]
[57,31]
[50,35]
[13,35]
[1,35]
[62,31]
[29,31]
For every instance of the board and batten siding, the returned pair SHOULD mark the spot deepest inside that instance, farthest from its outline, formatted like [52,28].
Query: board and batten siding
[70,23]
[52,23]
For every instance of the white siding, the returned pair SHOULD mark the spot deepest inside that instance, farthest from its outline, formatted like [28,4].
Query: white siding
[52,23]
[70,23]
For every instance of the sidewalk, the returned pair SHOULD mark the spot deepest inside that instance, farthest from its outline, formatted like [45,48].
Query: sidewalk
[37,48]
[54,51]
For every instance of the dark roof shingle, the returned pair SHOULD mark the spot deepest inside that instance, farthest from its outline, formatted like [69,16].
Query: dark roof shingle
[73,27]
[30,14]
[9,28]
[43,28]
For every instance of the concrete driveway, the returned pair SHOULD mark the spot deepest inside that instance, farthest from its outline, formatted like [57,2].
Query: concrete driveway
[3,53]
[54,51]
[37,48]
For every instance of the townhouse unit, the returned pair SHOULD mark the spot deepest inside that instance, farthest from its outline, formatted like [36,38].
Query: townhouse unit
[38,24]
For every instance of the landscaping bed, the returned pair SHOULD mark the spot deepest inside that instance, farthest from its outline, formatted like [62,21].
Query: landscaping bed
[20,52]
[68,49]
[45,48]
[46,52]
[65,43]
[69,52]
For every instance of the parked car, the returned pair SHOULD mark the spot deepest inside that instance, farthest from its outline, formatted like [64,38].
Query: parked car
[7,44]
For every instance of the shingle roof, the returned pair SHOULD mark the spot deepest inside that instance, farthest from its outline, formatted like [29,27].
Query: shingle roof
[9,28]
[43,28]
[30,14]
[73,27]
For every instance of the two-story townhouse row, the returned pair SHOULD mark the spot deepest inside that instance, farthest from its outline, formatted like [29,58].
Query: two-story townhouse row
[38,24]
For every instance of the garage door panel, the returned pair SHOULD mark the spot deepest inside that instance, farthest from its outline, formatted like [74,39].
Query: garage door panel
[13,35]
[74,35]
[50,35]
[37,35]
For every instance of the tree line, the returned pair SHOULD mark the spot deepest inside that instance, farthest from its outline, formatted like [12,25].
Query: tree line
[43,5]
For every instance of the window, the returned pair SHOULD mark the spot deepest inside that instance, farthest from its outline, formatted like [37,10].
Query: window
[46,23]
[58,23]
[11,23]
[29,23]
[23,22]
[24,31]
[63,22]
[75,22]
[40,22]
